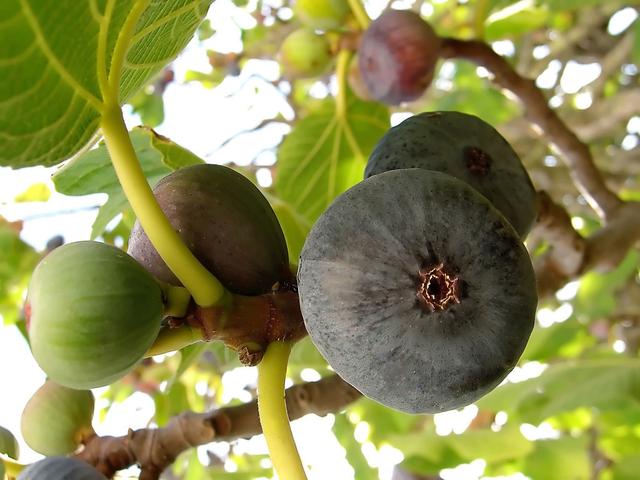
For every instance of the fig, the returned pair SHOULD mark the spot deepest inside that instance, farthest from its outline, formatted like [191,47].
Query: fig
[321,14]
[8,444]
[417,291]
[60,468]
[467,148]
[226,222]
[57,420]
[94,312]
[397,56]
[304,54]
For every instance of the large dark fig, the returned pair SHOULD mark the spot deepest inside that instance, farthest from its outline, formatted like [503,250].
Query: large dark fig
[467,148]
[94,312]
[8,444]
[417,291]
[226,222]
[60,468]
[397,56]
[57,420]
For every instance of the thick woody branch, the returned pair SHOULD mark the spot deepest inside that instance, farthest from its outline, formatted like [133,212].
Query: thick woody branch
[154,449]
[577,155]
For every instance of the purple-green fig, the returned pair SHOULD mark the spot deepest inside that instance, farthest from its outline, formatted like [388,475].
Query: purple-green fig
[57,420]
[397,56]
[321,14]
[226,222]
[467,148]
[60,468]
[8,444]
[417,291]
[94,312]
[305,54]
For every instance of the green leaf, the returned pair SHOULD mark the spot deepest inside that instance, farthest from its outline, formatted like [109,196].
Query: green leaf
[92,172]
[343,430]
[493,447]
[561,340]
[305,355]
[170,403]
[605,384]
[559,5]
[324,155]
[636,42]
[150,107]
[626,469]
[295,227]
[515,20]
[188,356]
[53,55]
[562,459]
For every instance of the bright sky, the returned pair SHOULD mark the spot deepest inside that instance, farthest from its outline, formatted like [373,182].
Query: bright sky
[200,120]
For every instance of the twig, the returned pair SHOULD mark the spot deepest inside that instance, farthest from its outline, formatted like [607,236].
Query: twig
[577,155]
[154,449]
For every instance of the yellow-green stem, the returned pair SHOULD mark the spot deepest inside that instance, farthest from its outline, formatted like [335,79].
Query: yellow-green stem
[205,288]
[360,13]
[479,18]
[172,339]
[176,300]
[12,467]
[273,412]
[342,72]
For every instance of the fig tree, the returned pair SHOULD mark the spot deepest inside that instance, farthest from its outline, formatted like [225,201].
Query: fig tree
[467,148]
[8,444]
[321,14]
[57,419]
[60,468]
[417,291]
[304,54]
[94,312]
[397,56]
[226,222]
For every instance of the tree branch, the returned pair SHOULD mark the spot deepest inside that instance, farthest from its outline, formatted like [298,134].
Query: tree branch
[585,175]
[154,449]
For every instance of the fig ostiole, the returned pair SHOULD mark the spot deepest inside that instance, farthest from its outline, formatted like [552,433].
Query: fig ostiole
[417,291]
[467,148]
[94,312]
[60,468]
[397,56]
[57,420]
[226,222]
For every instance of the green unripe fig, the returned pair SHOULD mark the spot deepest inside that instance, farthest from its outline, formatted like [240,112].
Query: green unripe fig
[467,148]
[94,312]
[8,444]
[226,222]
[321,14]
[57,419]
[417,291]
[304,54]
[60,468]
[1,469]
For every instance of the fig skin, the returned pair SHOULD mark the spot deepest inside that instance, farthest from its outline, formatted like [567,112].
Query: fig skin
[321,14]
[57,420]
[226,222]
[359,288]
[304,54]
[8,445]
[467,148]
[94,313]
[397,56]
[60,468]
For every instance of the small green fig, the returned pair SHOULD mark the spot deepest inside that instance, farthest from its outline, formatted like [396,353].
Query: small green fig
[60,468]
[1,469]
[304,54]
[57,419]
[94,312]
[8,444]
[321,14]
[226,222]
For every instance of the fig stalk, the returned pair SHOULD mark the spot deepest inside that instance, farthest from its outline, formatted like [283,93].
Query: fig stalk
[357,8]
[203,285]
[272,410]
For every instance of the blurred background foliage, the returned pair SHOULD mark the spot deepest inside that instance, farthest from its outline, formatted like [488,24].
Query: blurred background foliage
[571,410]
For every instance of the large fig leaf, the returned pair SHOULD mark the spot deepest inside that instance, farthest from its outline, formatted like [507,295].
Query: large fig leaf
[325,154]
[93,172]
[56,57]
